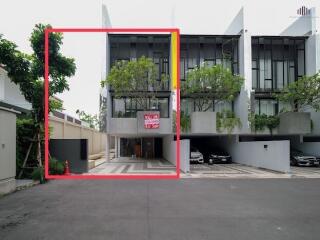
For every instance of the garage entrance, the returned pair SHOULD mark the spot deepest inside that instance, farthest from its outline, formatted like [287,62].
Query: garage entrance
[148,148]
[272,155]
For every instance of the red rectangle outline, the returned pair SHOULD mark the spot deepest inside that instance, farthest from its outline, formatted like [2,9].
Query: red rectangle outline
[46,103]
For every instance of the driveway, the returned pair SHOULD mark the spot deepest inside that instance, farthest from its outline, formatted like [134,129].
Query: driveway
[186,209]
[126,165]
[236,170]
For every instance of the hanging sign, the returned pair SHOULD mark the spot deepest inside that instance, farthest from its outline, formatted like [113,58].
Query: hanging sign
[151,120]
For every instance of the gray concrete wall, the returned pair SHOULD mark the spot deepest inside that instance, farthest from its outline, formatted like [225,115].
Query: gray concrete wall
[203,122]
[274,157]
[123,126]
[295,123]
[7,151]
[164,128]
[170,149]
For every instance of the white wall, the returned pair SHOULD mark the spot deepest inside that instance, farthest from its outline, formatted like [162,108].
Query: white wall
[274,157]
[10,92]
[7,150]
[169,152]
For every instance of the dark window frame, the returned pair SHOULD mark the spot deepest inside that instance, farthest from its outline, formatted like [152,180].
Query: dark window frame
[289,54]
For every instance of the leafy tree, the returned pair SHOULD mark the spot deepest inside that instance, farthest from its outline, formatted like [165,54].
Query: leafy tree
[135,78]
[92,120]
[305,92]
[27,71]
[210,85]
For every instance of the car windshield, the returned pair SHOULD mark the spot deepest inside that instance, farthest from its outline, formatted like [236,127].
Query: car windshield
[194,149]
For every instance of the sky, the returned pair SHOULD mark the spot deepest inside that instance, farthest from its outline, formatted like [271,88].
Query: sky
[17,19]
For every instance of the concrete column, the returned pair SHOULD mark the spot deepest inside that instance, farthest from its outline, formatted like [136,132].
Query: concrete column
[116,147]
[242,103]
[107,154]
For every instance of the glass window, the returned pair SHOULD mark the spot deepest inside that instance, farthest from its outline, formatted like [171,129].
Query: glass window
[276,62]
[118,107]
[222,106]
[265,106]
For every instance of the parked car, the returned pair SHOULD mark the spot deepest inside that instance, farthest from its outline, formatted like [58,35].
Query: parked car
[219,156]
[298,158]
[196,156]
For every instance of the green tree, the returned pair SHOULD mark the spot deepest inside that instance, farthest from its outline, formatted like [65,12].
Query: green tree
[210,85]
[135,78]
[92,120]
[305,92]
[27,71]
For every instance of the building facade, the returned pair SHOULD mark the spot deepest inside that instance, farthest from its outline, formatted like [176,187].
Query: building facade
[268,46]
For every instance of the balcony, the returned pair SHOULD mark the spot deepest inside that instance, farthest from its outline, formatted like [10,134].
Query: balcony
[203,122]
[136,126]
[295,123]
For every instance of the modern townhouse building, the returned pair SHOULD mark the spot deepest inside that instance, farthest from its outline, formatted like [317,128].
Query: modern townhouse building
[126,115]
[270,46]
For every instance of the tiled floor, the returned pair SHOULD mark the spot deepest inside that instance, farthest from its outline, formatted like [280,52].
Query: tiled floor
[236,170]
[233,170]
[134,166]
[160,166]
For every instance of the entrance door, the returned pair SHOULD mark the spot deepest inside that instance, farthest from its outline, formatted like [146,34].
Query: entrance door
[148,148]
[158,147]
[130,147]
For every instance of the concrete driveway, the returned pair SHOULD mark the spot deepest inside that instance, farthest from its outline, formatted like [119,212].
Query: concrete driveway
[186,209]
[236,170]
[126,165]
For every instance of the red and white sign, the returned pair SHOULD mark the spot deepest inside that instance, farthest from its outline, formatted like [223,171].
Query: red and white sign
[151,120]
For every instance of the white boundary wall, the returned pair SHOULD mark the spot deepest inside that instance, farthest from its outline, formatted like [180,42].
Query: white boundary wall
[272,155]
[170,149]
[63,129]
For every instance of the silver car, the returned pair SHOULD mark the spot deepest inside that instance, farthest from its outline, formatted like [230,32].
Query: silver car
[196,156]
[298,158]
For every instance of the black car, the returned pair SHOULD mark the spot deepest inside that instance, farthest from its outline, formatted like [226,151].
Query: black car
[298,158]
[219,156]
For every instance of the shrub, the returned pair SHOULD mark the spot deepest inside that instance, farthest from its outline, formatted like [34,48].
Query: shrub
[56,167]
[260,122]
[185,122]
[38,174]
[227,120]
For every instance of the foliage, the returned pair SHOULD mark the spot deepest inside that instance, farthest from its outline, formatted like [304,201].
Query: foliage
[305,92]
[132,78]
[92,120]
[260,122]
[103,114]
[25,131]
[227,120]
[211,83]
[185,121]
[38,174]
[27,71]
[56,167]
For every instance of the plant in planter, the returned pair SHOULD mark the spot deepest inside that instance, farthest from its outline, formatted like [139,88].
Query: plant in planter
[185,122]
[227,120]
[136,78]
[209,85]
[260,122]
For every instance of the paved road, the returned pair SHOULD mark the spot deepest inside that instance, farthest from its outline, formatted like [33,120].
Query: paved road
[188,209]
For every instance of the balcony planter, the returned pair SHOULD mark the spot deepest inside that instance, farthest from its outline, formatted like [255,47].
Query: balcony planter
[122,126]
[165,125]
[203,122]
[295,123]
